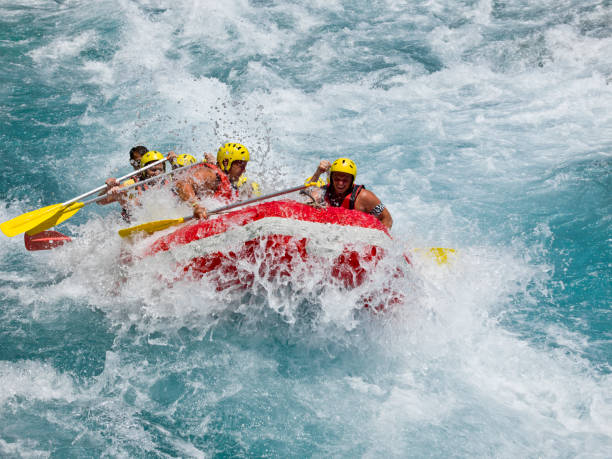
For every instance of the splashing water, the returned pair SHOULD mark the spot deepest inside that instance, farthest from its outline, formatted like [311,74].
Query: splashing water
[483,126]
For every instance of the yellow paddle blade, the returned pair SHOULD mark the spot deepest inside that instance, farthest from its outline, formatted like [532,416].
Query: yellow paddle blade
[440,255]
[29,220]
[150,227]
[57,218]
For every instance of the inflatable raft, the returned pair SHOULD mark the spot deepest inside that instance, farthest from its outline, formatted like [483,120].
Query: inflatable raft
[276,240]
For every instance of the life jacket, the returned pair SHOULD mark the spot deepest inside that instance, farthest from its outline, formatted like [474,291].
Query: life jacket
[349,199]
[225,190]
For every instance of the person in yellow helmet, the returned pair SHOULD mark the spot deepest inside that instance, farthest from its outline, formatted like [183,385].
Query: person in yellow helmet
[150,157]
[186,159]
[115,192]
[183,160]
[343,192]
[221,180]
[136,154]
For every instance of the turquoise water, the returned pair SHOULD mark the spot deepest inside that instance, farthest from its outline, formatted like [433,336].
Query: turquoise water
[483,125]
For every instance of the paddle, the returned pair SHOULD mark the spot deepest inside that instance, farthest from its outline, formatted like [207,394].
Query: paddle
[45,241]
[68,212]
[440,255]
[39,220]
[152,227]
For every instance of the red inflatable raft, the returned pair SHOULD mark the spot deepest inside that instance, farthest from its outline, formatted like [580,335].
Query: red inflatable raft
[275,240]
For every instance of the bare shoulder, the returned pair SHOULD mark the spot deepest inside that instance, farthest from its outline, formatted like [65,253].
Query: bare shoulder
[366,196]
[366,200]
[204,172]
[198,174]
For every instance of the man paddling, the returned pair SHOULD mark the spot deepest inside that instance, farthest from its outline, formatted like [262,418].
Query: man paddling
[136,154]
[221,180]
[115,192]
[343,192]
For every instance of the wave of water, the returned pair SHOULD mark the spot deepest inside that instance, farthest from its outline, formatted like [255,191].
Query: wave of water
[484,126]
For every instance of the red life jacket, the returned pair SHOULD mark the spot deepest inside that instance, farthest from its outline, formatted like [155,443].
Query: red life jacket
[349,199]
[224,190]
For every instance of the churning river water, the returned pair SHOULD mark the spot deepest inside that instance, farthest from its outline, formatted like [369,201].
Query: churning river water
[483,125]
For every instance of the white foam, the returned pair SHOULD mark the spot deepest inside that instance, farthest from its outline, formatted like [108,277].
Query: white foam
[449,147]
[62,48]
[34,381]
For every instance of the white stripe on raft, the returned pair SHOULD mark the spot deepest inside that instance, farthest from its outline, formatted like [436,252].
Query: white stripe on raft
[324,239]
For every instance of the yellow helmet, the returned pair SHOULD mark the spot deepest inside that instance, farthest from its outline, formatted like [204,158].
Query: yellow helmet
[344,165]
[185,160]
[149,157]
[232,152]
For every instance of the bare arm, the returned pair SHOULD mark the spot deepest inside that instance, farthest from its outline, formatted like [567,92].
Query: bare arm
[323,166]
[385,218]
[116,193]
[369,203]
[186,188]
[171,158]
[110,184]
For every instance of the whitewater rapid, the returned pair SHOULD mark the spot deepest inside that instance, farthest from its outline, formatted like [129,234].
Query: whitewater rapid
[483,126]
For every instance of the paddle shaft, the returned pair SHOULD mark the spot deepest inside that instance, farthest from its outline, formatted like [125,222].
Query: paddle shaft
[142,182]
[68,211]
[259,198]
[159,225]
[103,187]
[249,201]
